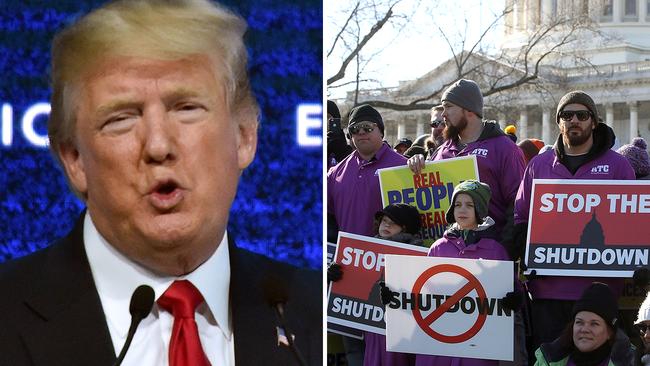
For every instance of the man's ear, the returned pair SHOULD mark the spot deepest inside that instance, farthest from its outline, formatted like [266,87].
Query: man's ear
[74,167]
[246,142]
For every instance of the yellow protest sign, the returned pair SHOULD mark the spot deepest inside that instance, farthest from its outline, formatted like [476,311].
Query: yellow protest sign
[430,191]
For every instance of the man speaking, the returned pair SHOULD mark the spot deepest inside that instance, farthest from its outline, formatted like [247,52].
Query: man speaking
[153,121]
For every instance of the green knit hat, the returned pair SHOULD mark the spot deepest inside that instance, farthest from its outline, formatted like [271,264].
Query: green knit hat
[480,193]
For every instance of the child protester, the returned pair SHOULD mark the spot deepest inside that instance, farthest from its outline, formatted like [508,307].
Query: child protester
[471,235]
[396,222]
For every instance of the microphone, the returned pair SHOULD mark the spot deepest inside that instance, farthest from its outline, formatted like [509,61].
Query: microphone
[141,304]
[277,295]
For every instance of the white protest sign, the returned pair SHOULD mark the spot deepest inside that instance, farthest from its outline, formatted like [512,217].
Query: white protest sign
[449,307]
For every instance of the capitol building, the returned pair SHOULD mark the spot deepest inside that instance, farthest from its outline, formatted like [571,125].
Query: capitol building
[609,60]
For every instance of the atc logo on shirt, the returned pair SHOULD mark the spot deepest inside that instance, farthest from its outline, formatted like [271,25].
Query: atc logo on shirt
[600,169]
[480,152]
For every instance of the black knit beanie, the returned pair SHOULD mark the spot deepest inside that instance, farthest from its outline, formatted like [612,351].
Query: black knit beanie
[367,113]
[403,215]
[599,299]
[333,109]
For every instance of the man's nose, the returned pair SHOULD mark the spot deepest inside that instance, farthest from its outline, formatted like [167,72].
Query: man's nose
[159,137]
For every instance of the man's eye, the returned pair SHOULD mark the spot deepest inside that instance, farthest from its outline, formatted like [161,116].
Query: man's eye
[119,122]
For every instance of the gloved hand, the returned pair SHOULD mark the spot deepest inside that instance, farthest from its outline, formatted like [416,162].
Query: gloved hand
[513,300]
[334,272]
[386,293]
[641,277]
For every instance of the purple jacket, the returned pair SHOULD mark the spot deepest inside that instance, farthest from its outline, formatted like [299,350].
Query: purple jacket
[353,194]
[548,166]
[453,246]
[500,164]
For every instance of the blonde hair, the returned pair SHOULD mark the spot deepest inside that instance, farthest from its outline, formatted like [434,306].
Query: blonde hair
[156,29]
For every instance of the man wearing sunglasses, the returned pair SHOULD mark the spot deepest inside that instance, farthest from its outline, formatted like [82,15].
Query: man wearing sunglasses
[437,126]
[582,151]
[353,194]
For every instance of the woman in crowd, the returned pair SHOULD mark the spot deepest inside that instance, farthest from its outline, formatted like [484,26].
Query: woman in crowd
[593,337]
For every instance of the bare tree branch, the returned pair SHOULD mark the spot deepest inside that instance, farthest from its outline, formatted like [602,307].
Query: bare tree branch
[375,28]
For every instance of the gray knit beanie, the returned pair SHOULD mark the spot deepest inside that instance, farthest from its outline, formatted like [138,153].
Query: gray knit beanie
[579,97]
[465,94]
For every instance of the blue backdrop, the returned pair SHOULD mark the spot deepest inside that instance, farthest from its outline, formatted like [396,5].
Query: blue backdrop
[278,208]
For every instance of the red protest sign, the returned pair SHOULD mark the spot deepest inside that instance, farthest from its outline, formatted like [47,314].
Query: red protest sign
[354,301]
[588,227]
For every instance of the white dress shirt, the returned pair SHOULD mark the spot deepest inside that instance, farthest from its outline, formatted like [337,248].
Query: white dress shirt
[116,277]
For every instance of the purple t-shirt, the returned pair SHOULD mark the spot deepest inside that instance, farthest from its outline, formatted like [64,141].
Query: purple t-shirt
[500,165]
[609,165]
[353,194]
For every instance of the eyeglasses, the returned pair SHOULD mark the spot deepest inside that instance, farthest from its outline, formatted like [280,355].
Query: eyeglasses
[643,328]
[436,123]
[567,116]
[355,129]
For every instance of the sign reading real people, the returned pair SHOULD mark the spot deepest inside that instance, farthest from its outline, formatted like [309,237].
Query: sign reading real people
[588,227]
[355,300]
[430,191]
[449,307]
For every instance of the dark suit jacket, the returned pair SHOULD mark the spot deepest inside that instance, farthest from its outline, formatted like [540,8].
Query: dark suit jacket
[51,314]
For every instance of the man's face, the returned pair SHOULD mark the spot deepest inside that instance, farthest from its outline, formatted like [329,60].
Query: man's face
[574,131]
[455,120]
[158,155]
[438,124]
[366,138]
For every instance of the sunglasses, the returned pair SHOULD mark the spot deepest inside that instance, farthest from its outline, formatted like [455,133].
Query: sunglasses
[567,116]
[643,328]
[355,129]
[436,123]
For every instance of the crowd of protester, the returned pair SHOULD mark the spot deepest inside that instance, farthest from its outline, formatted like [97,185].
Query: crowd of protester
[559,320]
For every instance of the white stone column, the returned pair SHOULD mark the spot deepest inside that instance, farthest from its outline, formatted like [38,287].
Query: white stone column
[522,129]
[643,9]
[401,129]
[546,126]
[634,119]
[617,11]
[609,114]
[546,12]
[419,129]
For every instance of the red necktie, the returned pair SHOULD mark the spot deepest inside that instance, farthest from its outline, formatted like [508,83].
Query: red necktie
[181,299]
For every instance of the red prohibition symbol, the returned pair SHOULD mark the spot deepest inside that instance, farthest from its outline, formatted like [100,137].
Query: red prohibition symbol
[426,322]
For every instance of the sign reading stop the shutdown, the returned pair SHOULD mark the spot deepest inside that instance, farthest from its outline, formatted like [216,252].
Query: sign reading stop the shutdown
[449,307]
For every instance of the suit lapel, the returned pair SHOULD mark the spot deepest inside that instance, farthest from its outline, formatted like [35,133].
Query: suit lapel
[254,321]
[70,326]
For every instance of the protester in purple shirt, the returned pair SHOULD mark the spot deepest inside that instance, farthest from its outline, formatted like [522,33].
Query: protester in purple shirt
[500,162]
[353,194]
[582,151]
[471,235]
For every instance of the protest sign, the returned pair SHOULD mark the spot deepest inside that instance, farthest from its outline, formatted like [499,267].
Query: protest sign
[354,301]
[449,307]
[337,328]
[430,191]
[594,228]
